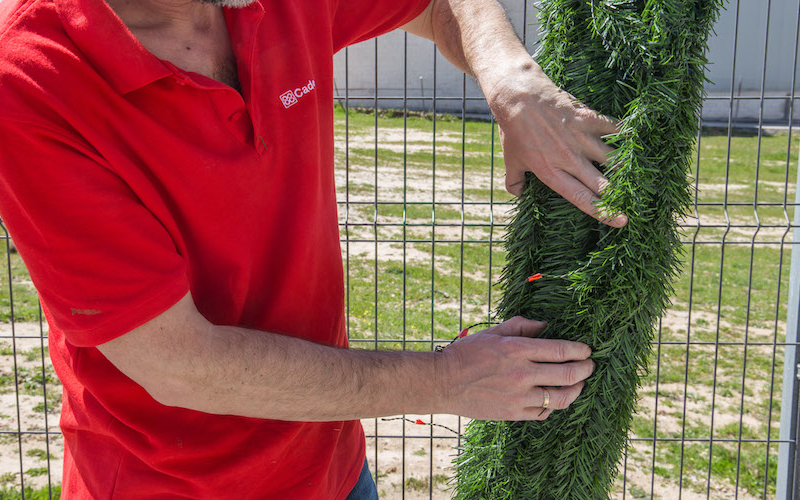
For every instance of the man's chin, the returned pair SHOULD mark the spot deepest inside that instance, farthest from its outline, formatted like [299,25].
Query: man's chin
[230,3]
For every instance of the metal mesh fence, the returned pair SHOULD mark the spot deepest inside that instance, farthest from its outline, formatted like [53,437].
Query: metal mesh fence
[423,210]
[422,215]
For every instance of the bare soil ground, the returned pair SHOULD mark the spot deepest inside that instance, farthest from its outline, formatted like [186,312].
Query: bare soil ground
[24,442]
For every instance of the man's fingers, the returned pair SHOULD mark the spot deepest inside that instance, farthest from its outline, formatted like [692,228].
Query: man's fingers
[602,124]
[559,398]
[577,193]
[590,177]
[563,374]
[605,125]
[520,327]
[554,351]
[599,151]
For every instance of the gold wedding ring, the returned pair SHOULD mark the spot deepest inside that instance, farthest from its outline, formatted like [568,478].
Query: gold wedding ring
[546,398]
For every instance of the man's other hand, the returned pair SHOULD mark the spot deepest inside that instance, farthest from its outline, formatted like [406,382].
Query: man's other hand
[544,130]
[502,373]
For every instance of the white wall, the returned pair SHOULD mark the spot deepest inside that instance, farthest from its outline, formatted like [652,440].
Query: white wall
[751,59]
[360,80]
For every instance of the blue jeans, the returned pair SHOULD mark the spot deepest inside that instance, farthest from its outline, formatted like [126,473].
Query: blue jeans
[365,487]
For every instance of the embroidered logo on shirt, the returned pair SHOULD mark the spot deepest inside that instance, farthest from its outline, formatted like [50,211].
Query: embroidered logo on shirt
[291,97]
[86,312]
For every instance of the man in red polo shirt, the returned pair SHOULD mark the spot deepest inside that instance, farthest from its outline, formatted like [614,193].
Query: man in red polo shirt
[166,171]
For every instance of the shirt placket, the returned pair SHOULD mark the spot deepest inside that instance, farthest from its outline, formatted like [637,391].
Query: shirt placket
[244,41]
[229,105]
[233,112]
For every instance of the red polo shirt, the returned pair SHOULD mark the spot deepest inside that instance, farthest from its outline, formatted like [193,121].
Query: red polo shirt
[126,182]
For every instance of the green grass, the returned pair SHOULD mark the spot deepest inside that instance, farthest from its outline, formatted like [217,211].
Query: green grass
[638,493]
[53,402]
[26,300]
[434,292]
[30,493]
[30,380]
[38,453]
[751,466]
[415,484]
[746,167]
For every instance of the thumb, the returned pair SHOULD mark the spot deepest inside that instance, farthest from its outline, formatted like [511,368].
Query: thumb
[515,178]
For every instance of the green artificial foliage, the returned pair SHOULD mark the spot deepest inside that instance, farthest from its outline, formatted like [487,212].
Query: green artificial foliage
[643,62]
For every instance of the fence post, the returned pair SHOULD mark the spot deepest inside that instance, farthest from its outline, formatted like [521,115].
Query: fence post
[788,465]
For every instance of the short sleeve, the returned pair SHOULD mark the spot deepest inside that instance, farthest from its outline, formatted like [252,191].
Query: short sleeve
[102,262]
[358,20]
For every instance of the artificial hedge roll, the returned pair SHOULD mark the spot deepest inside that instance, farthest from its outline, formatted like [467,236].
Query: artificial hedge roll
[641,61]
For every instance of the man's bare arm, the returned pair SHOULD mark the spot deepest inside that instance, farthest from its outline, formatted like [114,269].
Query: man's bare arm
[183,360]
[542,128]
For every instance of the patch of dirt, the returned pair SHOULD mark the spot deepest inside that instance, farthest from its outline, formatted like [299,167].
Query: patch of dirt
[392,139]
[418,183]
[698,409]
[428,451]
[366,250]
[24,444]
[677,320]
[704,232]
[720,187]
[638,479]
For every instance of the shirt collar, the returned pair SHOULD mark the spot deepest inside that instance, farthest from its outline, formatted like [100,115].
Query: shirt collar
[110,46]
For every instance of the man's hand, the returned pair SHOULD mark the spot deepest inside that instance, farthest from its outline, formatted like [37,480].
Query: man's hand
[543,129]
[500,373]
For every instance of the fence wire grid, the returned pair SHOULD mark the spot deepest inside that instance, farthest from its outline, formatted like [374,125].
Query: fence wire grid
[423,209]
